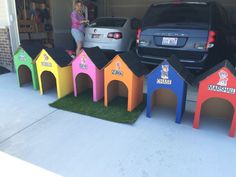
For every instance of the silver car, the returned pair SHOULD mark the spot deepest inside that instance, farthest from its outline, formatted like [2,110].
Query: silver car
[112,33]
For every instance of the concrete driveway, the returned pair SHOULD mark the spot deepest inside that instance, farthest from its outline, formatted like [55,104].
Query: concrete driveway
[74,145]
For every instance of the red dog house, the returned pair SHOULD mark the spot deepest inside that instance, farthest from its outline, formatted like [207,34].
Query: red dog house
[219,82]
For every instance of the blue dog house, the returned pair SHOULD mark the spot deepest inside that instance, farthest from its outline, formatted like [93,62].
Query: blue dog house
[170,74]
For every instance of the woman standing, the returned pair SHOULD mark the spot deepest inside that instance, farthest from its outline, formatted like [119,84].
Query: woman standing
[78,25]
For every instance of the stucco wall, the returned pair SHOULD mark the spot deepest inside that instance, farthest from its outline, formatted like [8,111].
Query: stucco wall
[3,14]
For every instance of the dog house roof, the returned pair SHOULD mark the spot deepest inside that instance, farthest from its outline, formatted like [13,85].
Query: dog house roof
[224,63]
[179,68]
[182,71]
[97,56]
[134,63]
[32,49]
[60,56]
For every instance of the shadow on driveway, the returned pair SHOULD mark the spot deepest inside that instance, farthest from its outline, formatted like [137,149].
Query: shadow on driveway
[3,70]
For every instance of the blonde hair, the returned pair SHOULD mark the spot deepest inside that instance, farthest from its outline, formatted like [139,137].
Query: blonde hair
[76,2]
[82,5]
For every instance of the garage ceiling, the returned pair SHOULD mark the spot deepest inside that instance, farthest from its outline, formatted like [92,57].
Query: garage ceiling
[137,8]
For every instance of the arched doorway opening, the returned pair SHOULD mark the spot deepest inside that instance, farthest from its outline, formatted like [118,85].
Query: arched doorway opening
[83,83]
[24,74]
[164,99]
[48,81]
[217,113]
[117,89]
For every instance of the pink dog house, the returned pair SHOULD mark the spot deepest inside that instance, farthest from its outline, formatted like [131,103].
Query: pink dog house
[88,72]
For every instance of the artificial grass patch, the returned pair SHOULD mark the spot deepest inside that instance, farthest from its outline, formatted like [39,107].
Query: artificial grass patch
[115,112]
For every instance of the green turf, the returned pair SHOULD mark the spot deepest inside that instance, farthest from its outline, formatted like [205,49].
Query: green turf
[116,111]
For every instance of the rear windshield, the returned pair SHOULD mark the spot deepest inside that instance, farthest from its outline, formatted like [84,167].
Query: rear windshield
[178,14]
[108,22]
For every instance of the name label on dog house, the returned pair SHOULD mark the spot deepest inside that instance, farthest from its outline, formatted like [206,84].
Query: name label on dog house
[22,58]
[83,64]
[164,76]
[221,86]
[45,63]
[117,71]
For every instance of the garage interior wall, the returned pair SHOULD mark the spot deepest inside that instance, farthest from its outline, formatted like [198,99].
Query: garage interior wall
[60,13]
[137,8]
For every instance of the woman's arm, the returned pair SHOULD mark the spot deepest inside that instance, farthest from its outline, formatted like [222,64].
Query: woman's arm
[84,21]
[76,21]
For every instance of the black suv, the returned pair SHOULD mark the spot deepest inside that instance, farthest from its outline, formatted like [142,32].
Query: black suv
[195,32]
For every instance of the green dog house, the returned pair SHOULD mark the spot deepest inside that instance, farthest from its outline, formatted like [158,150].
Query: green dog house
[24,65]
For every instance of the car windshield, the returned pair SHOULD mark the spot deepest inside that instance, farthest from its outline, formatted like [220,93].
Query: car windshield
[177,14]
[108,22]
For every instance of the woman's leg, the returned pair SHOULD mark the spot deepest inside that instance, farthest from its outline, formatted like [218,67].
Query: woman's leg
[78,49]
[79,38]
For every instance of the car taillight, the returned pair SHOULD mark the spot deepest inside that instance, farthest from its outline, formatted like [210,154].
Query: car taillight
[115,35]
[138,36]
[211,39]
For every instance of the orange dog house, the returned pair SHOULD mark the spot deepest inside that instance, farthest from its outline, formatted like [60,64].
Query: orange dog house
[124,76]
[218,82]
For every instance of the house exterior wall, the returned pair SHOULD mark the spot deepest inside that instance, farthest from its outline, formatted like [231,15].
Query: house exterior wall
[3,14]
[5,42]
[5,49]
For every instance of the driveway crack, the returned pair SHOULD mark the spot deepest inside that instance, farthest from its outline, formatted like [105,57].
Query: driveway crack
[28,126]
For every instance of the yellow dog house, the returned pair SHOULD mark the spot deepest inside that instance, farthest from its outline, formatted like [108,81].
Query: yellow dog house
[54,70]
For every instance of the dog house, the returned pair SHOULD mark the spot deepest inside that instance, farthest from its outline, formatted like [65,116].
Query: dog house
[24,65]
[219,82]
[124,76]
[54,70]
[172,76]
[88,72]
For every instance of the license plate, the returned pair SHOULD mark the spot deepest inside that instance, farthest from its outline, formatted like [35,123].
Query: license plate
[170,41]
[95,36]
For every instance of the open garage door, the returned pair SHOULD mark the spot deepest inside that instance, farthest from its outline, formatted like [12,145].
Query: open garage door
[61,10]
[137,8]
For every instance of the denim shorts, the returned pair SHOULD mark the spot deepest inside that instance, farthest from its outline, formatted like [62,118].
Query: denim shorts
[77,35]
